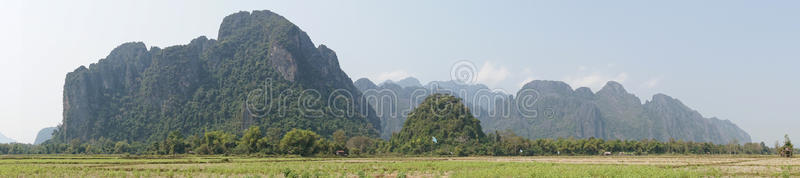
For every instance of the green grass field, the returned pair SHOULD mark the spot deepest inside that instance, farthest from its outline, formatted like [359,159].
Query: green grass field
[564,166]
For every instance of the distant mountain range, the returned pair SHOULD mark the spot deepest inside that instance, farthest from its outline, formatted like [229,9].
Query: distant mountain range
[4,139]
[552,109]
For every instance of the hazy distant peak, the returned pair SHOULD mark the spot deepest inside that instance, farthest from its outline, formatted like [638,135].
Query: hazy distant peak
[391,86]
[385,82]
[663,101]
[44,135]
[4,139]
[363,80]
[613,87]
[409,82]
[364,84]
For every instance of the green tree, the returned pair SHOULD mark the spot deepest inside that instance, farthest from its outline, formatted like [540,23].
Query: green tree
[217,142]
[787,142]
[174,144]
[340,137]
[360,144]
[121,147]
[298,141]
[249,141]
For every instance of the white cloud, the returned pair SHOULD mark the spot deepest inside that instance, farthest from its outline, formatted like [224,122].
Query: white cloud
[526,81]
[491,75]
[582,81]
[594,80]
[652,83]
[392,75]
[621,77]
[527,71]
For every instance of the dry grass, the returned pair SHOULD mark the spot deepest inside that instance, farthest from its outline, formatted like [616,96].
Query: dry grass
[537,166]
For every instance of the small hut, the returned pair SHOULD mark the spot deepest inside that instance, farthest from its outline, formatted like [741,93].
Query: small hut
[786,152]
[787,148]
[341,153]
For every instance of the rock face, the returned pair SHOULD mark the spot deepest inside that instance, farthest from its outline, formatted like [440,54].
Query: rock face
[672,118]
[254,74]
[552,109]
[613,113]
[44,135]
[4,139]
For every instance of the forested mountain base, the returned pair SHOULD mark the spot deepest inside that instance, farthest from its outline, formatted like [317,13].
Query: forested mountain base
[442,126]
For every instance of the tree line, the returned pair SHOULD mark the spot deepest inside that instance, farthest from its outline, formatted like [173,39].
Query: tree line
[254,141]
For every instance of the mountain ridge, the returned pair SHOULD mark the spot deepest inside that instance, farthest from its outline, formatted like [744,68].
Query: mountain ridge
[609,113]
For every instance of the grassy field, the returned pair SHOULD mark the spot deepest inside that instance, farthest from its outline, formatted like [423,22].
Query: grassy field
[563,166]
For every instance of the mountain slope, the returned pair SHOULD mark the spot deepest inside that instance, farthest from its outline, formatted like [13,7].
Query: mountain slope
[44,135]
[263,71]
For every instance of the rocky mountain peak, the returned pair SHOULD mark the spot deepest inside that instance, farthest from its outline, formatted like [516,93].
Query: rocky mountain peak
[548,86]
[364,84]
[662,98]
[127,49]
[613,87]
[665,102]
[238,23]
[584,92]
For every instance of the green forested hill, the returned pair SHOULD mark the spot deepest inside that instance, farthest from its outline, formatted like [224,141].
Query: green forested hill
[440,121]
[262,71]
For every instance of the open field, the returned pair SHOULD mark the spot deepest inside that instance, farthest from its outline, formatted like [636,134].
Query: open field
[563,166]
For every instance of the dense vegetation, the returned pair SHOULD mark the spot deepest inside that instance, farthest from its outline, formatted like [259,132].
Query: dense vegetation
[307,143]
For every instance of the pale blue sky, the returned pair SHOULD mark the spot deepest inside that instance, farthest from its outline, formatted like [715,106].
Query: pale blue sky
[730,59]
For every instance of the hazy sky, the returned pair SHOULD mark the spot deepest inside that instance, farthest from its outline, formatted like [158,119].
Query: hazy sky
[735,60]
